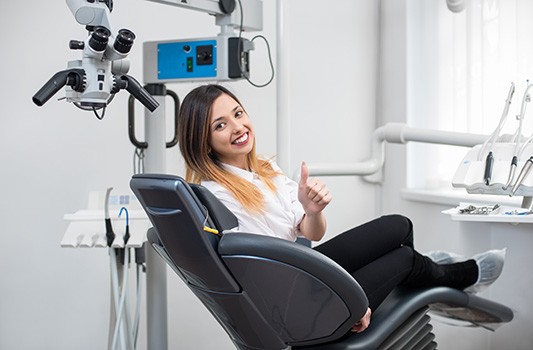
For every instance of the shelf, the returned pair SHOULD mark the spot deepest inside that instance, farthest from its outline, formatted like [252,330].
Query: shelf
[498,216]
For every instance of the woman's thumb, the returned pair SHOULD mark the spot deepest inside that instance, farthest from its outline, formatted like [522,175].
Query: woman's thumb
[304,173]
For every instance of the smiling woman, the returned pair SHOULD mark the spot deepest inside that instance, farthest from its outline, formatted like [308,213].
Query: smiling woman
[207,138]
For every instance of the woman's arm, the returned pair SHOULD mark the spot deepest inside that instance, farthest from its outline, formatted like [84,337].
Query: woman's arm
[314,196]
[313,226]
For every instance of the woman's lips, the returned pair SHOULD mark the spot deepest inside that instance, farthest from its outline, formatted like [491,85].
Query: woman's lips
[241,140]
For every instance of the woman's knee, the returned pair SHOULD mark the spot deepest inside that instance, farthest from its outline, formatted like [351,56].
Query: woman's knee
[398,219]
[402,225]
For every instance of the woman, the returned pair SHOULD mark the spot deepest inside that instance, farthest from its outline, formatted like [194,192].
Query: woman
[217,141]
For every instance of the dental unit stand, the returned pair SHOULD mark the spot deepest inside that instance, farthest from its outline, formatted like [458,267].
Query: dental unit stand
[156,279]
[155,123]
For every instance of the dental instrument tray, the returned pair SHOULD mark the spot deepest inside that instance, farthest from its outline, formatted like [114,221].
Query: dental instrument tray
[490,213]
[500,171]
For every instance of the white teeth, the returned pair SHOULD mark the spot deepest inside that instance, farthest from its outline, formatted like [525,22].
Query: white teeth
[242,139]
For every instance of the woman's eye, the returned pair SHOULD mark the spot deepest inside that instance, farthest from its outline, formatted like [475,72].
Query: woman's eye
[238,114]
[220,126]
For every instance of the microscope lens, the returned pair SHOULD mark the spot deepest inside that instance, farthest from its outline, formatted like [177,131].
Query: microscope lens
[99,39]
[124,41]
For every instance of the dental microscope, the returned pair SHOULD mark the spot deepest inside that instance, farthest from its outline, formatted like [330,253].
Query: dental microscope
[92,82]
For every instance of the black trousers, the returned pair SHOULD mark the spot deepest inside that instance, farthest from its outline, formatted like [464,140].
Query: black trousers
[380,255]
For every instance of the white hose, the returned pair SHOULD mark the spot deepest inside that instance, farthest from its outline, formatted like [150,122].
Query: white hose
[494,136]
[523,107]
[137,308]
[115,288]
[121,303]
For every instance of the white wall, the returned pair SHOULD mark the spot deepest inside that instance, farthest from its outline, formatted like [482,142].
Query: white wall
[53,156]
[434,230]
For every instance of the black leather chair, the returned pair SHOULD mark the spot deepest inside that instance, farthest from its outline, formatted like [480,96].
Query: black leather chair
[269,293]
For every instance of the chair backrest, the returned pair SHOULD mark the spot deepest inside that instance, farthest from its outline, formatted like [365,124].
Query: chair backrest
[178,218]
[267,293]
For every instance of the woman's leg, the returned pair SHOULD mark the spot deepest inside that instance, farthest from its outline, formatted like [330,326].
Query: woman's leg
[405,266]
[426,273]
[364,244]
[380,255]
[382,275]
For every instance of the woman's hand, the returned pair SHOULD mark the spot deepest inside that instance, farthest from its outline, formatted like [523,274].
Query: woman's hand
[364,323]
[314,197]
[312,193]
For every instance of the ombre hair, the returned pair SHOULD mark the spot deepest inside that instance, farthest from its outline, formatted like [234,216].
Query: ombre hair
[202,164]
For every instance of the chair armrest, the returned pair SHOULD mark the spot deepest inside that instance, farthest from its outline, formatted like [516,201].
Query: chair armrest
[265,248]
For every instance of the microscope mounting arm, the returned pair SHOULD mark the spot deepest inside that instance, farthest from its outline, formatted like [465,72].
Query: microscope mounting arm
[227,13]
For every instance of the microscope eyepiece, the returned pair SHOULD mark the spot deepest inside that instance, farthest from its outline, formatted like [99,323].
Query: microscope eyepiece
[124,41]
[99,38]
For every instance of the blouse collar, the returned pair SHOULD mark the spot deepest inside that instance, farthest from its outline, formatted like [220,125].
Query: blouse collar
[245,174]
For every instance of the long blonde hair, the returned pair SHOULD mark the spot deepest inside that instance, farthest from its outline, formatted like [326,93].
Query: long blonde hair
[202,164]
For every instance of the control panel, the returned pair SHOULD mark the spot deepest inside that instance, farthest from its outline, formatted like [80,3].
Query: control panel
[220,58]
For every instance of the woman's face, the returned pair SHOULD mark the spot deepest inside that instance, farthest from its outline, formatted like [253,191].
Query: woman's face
[231,134]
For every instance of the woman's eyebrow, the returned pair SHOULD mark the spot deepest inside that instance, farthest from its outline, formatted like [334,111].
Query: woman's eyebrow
[216,120]
[222,117]
[237,107]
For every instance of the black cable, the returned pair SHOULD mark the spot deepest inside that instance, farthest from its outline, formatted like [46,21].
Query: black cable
[239,46]
[270,61]
[99,117]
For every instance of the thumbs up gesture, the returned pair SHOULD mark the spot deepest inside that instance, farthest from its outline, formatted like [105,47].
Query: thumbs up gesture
[312,193]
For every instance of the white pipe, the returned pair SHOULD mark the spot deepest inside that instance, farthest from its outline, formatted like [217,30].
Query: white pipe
[283,129]
[395,133]
[156,272]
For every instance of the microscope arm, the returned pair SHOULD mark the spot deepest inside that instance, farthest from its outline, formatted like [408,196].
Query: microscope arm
[227,12]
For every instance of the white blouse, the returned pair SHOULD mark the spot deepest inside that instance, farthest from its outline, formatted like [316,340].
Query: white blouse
[282,211]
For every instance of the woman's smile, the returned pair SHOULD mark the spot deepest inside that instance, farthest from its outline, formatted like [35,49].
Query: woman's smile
[242,140]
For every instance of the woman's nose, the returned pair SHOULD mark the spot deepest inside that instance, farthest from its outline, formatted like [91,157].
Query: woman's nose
[237,127]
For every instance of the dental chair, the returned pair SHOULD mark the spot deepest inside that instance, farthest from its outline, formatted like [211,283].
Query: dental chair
[269,293]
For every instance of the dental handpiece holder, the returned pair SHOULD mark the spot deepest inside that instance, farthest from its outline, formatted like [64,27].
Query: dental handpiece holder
[510,173]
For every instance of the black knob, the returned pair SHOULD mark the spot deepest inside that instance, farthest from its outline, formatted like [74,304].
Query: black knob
[227,6]
[76,45]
